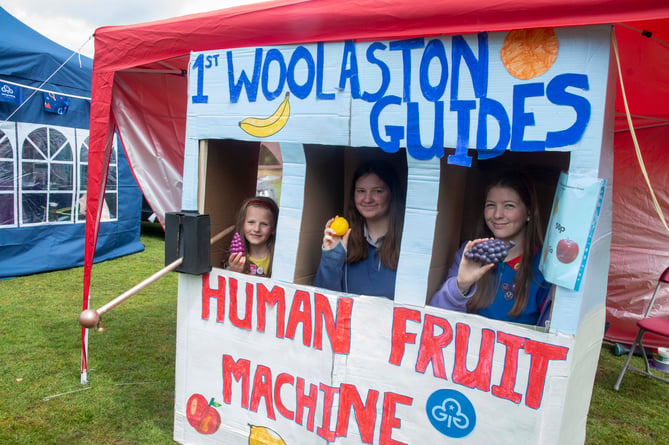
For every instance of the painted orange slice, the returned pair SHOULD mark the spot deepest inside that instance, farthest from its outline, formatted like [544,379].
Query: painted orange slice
[528,53]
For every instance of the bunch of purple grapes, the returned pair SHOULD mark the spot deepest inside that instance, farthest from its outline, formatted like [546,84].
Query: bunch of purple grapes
[489,251]
[236,245]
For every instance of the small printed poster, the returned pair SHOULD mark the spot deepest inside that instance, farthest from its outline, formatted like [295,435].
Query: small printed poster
[574,215]
[56,103]
[10,93]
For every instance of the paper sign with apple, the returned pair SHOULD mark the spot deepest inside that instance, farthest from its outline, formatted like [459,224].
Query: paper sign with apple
[572,223]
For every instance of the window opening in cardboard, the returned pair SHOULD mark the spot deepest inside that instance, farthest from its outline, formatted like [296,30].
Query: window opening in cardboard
[329,172]
[461,195]
[234,171]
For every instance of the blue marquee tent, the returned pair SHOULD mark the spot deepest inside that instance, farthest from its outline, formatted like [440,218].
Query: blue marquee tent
[44,122]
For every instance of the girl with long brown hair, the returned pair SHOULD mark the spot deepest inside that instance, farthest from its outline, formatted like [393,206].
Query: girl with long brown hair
[364,260]
[513,289]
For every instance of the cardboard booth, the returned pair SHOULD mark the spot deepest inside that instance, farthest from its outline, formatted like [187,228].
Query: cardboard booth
[278,360]
[140,83]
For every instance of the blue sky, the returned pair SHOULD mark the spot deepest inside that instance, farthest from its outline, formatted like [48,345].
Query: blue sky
[72,22]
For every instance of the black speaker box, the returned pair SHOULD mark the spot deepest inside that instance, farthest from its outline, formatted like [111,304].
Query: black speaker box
[187,235]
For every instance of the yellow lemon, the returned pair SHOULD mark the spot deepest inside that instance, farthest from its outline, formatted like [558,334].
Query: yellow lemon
[339,225]
[261,435]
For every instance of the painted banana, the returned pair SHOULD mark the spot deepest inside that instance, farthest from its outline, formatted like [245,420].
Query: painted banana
[261,435]
[263,127]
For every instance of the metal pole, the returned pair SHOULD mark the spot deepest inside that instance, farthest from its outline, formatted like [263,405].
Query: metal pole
[90,317]
[129,293]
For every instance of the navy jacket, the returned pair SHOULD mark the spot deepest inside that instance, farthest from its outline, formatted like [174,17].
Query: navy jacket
[366,277]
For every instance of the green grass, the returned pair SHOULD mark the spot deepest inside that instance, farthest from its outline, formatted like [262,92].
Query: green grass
[637,414]
[130,397]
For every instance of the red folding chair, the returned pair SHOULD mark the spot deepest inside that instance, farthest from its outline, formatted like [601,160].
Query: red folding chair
[654,325]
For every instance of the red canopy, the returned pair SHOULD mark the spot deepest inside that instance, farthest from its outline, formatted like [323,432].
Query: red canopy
[139,86]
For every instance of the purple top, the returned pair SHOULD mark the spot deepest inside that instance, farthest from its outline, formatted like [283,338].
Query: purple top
[538,306]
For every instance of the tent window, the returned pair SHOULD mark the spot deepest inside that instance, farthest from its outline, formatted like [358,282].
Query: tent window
[110,205]
[47,177]
[7,181]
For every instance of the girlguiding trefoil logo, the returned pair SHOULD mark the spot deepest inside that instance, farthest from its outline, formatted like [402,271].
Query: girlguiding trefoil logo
[451,413]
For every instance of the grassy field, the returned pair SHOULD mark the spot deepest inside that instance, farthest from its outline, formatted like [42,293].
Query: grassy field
[130,397]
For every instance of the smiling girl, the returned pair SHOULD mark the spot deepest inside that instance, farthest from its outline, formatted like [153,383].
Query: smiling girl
[364,260]
[514,289]
[256,222]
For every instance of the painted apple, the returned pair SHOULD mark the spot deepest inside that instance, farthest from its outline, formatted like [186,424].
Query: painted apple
[201,415]
[566,251]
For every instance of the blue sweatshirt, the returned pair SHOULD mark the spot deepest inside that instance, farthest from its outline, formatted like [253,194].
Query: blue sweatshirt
[538,306]
[366,277]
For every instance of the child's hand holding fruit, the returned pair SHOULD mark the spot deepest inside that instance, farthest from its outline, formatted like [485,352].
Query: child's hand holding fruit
[237,258]
[236,262]
[471,270]
[336,229]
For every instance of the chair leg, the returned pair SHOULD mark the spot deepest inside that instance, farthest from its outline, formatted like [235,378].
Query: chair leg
[645,356]
[629,358]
